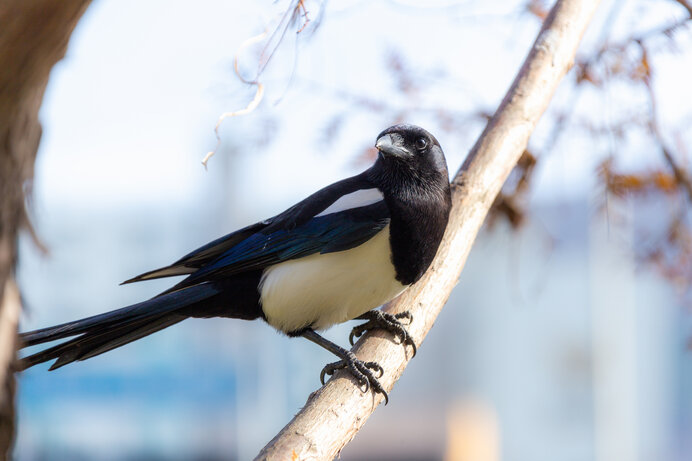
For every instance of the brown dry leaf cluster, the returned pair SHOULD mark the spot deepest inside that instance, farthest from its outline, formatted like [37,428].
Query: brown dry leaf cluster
[643,182]
[512,201]
[632,61]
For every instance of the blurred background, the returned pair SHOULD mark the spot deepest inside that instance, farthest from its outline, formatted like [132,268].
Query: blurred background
[568,336]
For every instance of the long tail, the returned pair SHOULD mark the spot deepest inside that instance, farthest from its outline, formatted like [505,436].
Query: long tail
[104,332]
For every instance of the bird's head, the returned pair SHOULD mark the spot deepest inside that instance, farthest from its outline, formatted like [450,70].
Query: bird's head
[411,148]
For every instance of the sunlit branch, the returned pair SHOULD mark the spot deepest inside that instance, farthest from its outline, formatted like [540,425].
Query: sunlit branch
[336,412]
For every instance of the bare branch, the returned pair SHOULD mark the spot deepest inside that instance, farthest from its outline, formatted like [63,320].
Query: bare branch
[681,176]
[685,4]
[334,414]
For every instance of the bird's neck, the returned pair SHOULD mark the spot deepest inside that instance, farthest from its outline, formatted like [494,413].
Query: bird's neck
[419,209]
[416,229]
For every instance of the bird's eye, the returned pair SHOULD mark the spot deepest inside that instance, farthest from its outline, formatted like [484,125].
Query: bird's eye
[421,143]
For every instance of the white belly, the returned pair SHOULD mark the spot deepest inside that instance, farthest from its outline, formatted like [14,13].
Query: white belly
[321,290]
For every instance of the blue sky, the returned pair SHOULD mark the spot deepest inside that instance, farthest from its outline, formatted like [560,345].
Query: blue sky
[130,111]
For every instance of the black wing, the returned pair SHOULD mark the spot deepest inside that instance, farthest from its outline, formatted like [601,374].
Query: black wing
[296,232]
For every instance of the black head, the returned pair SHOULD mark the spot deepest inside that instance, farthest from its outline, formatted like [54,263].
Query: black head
[411,151]
[411,172]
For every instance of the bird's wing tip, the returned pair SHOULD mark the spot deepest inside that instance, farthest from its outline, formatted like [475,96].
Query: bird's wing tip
[168,271]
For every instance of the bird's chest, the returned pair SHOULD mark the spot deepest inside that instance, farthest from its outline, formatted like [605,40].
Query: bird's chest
[321,290]
[417,229]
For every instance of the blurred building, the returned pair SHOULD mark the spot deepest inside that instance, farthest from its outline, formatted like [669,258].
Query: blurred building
[556,345]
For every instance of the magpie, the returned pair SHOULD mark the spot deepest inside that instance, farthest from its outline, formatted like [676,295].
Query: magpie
[335,256]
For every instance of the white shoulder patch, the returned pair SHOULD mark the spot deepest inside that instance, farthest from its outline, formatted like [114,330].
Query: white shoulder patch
[359,198]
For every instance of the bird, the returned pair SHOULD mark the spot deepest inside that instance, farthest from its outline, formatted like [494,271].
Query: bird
[335,256]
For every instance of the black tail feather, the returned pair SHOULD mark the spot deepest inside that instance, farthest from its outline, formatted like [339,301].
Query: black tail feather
[104,332]
[154,307]
[94,343]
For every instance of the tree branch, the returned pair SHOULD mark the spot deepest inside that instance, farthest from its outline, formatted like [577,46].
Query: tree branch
[9,318]
[33,37]
[333,415]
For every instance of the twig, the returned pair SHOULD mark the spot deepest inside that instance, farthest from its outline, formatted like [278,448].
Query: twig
[685,4]
[619,48]
[334,414]
[251,106]
[301,5]
[681,176]
[277,35]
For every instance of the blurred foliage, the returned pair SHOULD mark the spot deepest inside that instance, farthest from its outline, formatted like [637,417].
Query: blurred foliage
[631,60]
[628,60]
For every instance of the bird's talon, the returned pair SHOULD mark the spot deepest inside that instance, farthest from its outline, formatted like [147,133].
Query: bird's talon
[388,322]
[411,343]
[367,385]
[376,368]
[404,315]
[355,333]
[363,372]
[330,368]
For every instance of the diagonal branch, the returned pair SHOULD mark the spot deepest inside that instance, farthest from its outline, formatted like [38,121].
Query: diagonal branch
[334,414]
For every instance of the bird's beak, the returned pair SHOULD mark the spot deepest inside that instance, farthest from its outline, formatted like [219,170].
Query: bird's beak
[392,144]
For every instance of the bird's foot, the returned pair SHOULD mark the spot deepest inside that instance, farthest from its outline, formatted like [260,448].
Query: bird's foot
[364,372]
[383,320]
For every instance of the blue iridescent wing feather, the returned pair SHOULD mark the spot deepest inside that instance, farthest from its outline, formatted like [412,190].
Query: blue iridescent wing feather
[296,232]
[322,234]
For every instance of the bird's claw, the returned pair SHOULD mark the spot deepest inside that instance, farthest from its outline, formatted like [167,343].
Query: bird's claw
[388,322]
[404,315]
[361,371]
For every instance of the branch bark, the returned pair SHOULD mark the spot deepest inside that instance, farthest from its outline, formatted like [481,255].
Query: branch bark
[335,413]
[33,37]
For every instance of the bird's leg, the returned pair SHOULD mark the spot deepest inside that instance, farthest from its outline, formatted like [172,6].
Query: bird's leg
[383,320]
[362,371]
